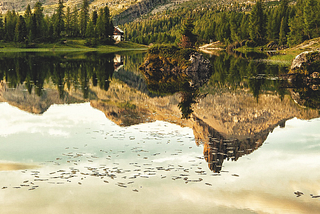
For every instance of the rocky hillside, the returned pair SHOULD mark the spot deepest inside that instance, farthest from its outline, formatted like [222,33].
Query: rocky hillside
[228,125]
[137,10]
[50,5]
[128,9]
[122,10]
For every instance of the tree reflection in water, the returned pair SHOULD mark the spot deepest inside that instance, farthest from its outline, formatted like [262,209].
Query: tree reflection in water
[237,73]
[66,72]
[78,73]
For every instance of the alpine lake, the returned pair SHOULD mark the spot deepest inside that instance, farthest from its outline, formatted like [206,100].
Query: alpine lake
[84,133]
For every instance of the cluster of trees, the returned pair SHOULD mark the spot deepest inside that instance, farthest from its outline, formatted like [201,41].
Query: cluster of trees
[34,26]
[285,24]
[306,22]
[66,74]
[161,28]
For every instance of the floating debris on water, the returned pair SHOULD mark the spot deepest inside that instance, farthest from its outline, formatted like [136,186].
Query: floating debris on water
[314,196]
[298,193]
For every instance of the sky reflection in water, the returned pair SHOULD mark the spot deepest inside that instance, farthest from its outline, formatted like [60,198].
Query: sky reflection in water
[88,164]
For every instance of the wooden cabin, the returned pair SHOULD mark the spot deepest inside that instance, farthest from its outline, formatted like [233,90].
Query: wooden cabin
[118,34]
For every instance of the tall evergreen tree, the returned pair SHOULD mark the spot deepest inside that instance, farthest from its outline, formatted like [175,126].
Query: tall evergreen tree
[75,22]
[90,30]
[234,26]
[296,25]
[50,29]
[109,28]
[28,12]
[310,15]
[39,20]
[94,17]
[188,39]
[84,17]
[100,27]
[28,15]
[59,20]
[68,21]
[21,30]
[1,27]
[272,25]
[257,23]
[282,34]
[244,34]
[10,25]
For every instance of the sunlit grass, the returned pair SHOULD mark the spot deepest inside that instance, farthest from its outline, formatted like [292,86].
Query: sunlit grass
[285,59]
[72,46]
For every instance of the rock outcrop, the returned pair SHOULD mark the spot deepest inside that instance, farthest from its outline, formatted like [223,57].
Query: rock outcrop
[159,69]
[306,63]
[299,61]
[305,79]
[199,70]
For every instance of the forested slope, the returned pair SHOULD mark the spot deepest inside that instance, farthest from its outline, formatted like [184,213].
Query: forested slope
[284,23]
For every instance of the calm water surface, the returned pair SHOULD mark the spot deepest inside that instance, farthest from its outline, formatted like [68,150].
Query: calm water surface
[85,134]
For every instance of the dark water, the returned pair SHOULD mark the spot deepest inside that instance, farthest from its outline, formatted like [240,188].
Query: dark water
[84,133]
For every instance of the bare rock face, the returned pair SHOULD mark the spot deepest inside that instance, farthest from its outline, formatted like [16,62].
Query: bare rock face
[306,61]
[305,79]
[299,60]
[199,71]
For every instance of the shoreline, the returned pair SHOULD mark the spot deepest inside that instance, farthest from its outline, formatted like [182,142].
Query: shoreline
[73,46]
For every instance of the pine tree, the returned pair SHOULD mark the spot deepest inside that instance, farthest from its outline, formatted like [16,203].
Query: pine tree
[109,28]
[257,23]
[282,34]
[90,30]
[68,22]
[21,30]
[234,28]
[1,27]
[59,20]
[10,25]
[28,12]
[100,27]
[75,23]
[84,17]
[27,16]
[310,14]
[244,34]
[32,28]
[50,30]
[272,26]
[38,19]
[94,17]
[296,25]
[188,39]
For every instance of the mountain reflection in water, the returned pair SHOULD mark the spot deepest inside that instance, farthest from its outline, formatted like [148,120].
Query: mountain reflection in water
[231,115]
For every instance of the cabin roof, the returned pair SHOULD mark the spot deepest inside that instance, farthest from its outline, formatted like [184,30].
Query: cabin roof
[117,29]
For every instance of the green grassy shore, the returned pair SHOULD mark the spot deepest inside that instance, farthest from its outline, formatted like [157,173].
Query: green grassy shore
[290,53]
[284,56]
[72,46]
